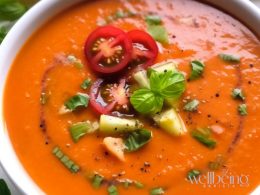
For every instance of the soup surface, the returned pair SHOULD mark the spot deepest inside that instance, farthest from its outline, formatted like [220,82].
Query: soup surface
[222,137]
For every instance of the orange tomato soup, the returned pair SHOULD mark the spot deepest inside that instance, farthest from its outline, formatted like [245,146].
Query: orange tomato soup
[196,32]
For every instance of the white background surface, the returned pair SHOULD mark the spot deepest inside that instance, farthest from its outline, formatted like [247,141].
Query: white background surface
[14,190]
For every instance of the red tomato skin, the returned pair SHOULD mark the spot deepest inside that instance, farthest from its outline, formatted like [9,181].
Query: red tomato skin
[139,36]
[107,32]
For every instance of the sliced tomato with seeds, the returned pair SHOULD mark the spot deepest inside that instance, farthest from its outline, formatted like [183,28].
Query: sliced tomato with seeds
[145,49]
[108,97]
[108,49]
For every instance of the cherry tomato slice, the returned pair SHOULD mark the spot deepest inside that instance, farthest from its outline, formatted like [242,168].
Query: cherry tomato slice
[105,98]
[108,49]
[145,49]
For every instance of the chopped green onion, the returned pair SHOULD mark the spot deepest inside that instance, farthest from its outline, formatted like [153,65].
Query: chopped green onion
[126,184]
[192,174]
[192,105]
[159,33]
[229,58]
[120,14]
[86,83]
[79,100]
[79,129]
[242,109]
[137,139]
[112,190]
[77,62]
[138,184]
[153,19]
[11,10]
[197,69]
[97,181]
[217,163]
[203,138]
[238,94]
[43,98]
[157,191]
[4,190]
[65,160]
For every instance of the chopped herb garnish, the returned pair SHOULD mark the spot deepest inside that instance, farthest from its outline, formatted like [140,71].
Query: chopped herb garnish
[112,190]
[11,10]
[159,33]
[217,164]
[192,174]
[242,109]
[138,184]
[197,69]
[191,105]
[238,94]
[79,100]
[4,190]
[86,83]
[168,84]
[77,62]
[65,160]
[126,184]
[43,98]
[137,139]
[229,58]
[79,129]
[203,137]
[97,181]
[153,19]
[162,85]
[157,191]
[3,33]
[145,101]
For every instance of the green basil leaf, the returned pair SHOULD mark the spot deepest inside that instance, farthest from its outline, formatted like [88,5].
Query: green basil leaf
[3,33]
[168,84]
[203,139]
[11,10]
[193,173]
[79,129]
[146,102]
[197,69]
[159,33]
[153,19]
[192,105]
[238,94]
[4,190]
[229,58]
[79,100]
[242,109]
[137,139]
[157,191]
[86,83]
[112,190]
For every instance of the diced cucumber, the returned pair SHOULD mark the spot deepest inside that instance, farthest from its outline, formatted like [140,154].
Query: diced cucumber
[142,79]
[171,122]
[165,66]
[141,76]
[113,125]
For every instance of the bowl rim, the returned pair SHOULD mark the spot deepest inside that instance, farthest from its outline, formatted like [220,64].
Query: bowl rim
[33,20]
